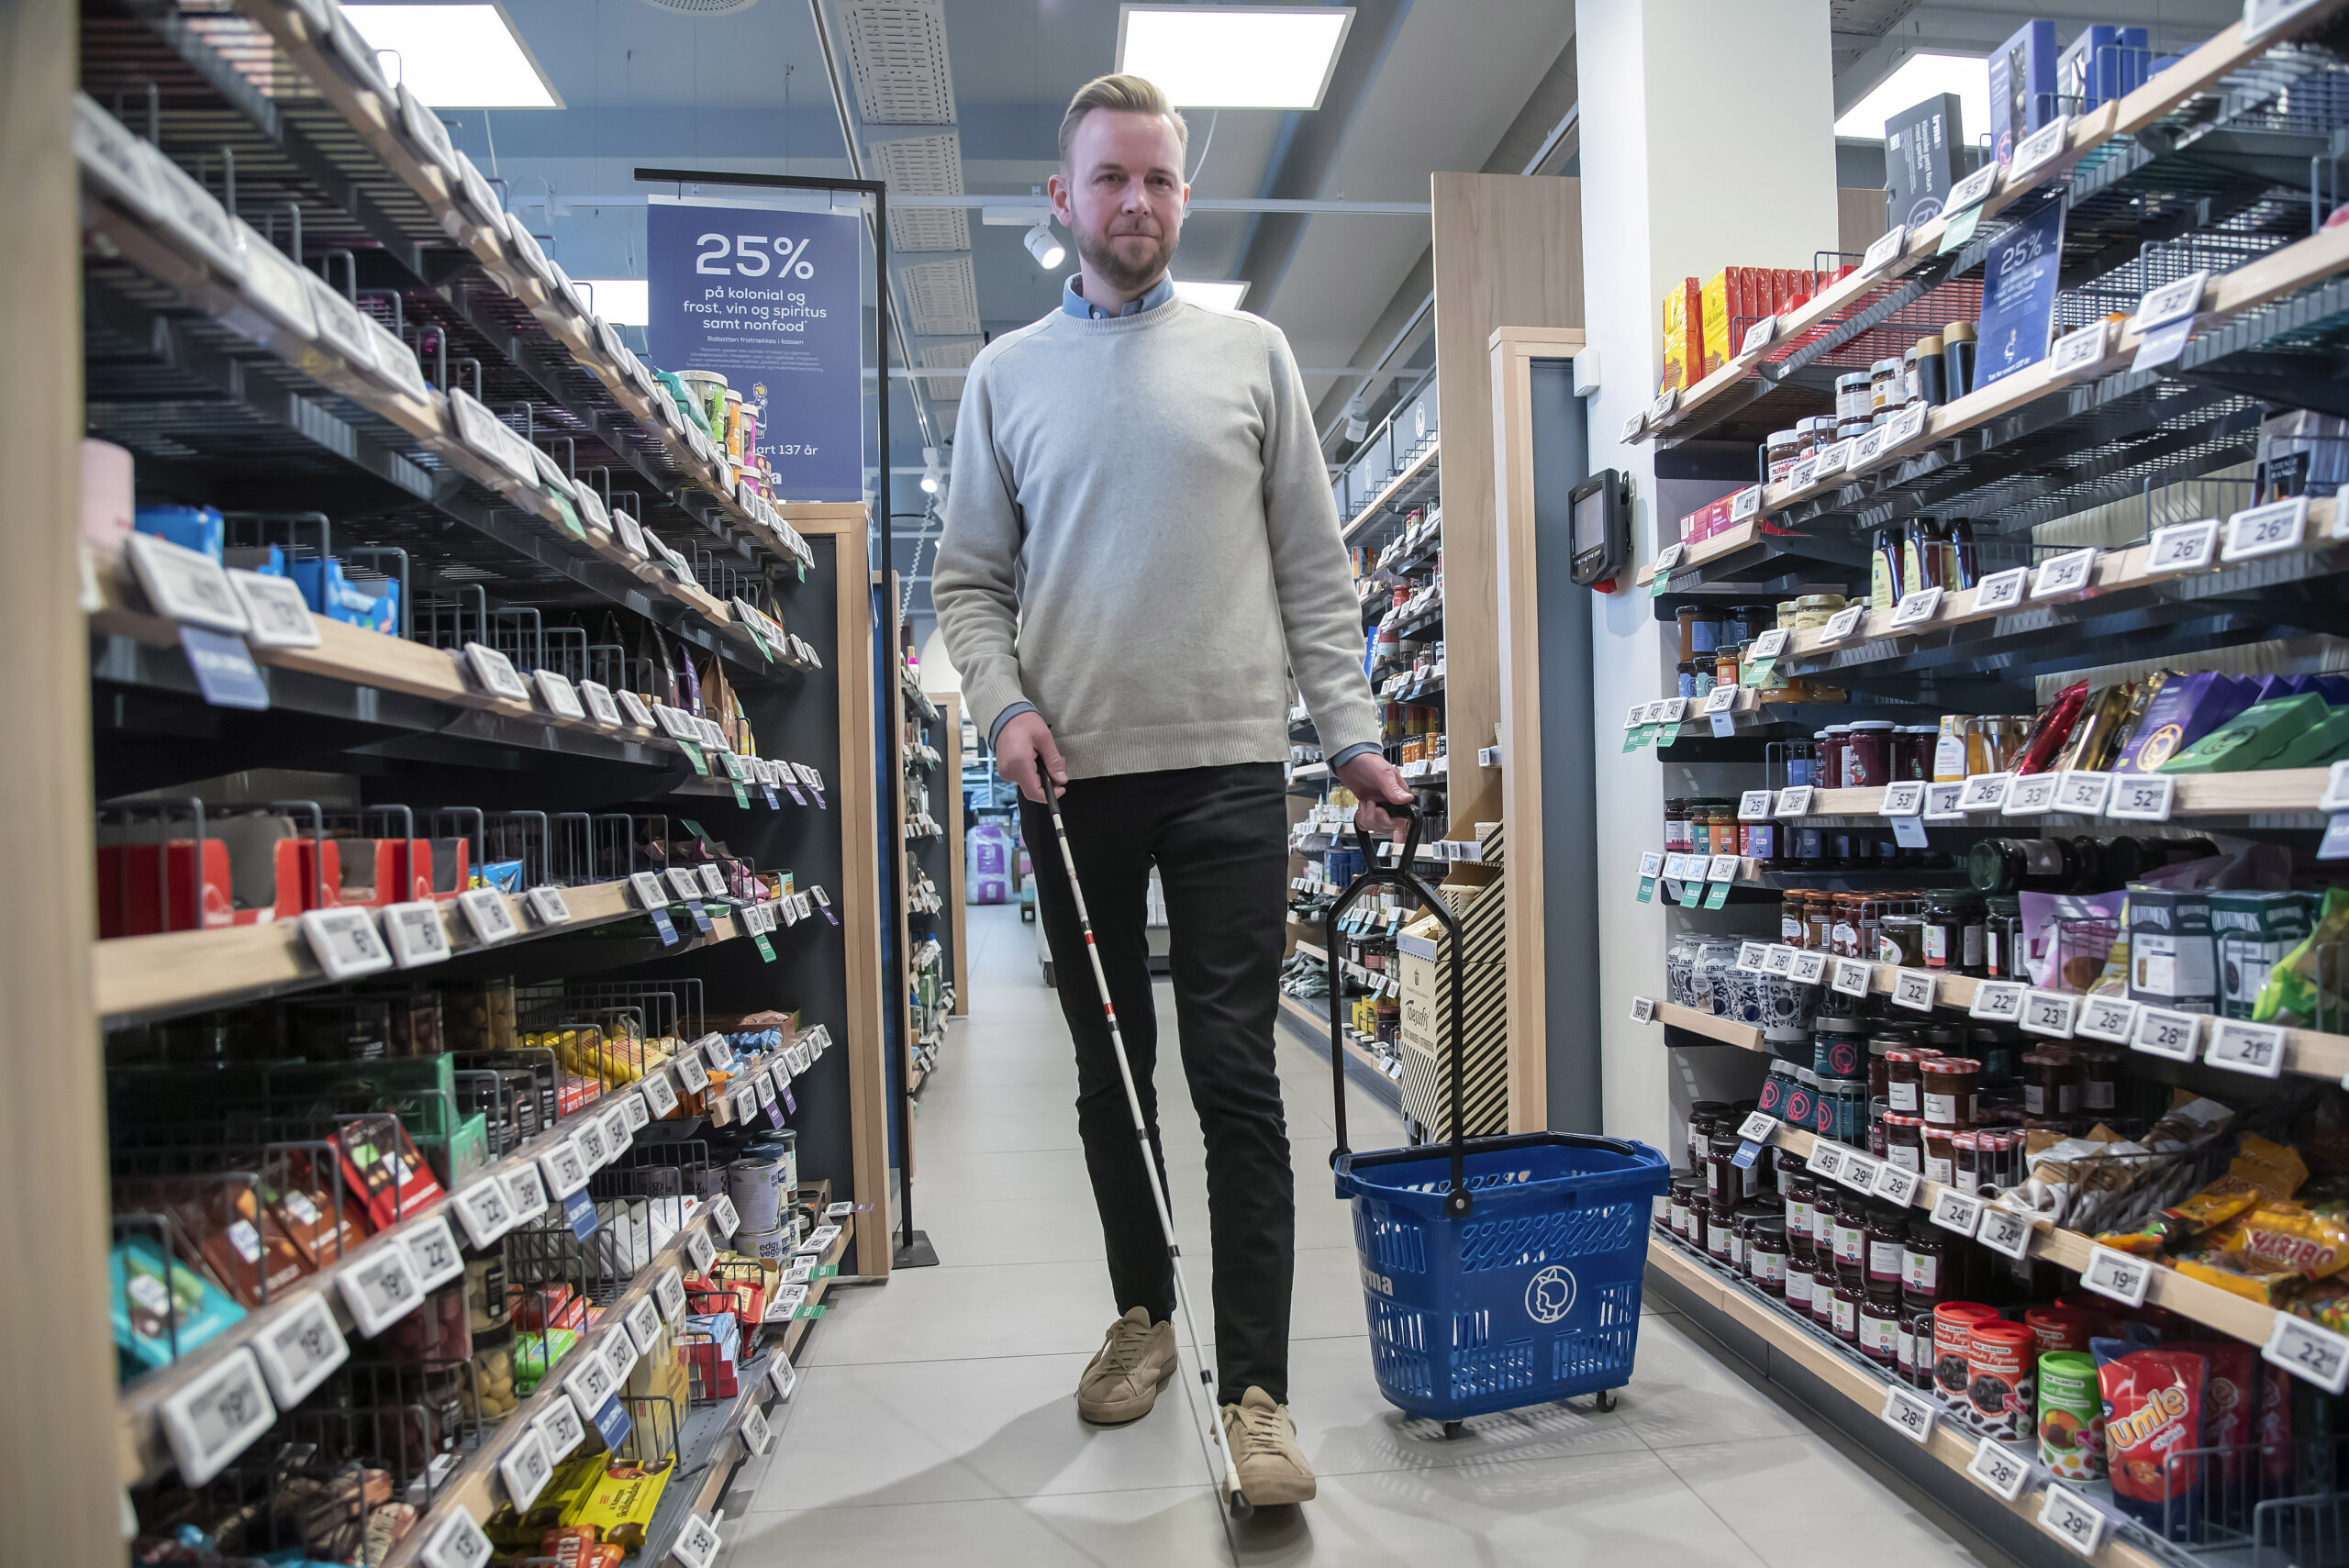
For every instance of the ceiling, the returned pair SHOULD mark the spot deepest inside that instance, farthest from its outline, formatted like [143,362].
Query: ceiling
[1421,85]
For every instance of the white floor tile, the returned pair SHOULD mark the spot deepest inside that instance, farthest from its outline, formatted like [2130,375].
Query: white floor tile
[1679,1394]
[1776,1492]
[993,1309]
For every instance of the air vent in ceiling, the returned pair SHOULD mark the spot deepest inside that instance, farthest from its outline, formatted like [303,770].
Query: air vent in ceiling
[948,356]
[928,166]
[897,55]
[943,297]
[702,7]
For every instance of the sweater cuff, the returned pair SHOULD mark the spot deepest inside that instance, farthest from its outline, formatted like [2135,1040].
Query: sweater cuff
[1006,716]
[1351,752]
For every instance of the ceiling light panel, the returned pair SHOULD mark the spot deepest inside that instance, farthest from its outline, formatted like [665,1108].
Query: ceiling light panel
[1234,56]
[896,57]
[1917,78]
[456,57]
[943,297]
[925,166]
[623,302]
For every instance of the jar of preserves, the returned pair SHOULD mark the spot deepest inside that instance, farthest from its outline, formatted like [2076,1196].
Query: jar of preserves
[1885,390]
[1830,741]
[1677,836]
[1790,917]
[1843,934]
[1818,915]
[1953,931]
[1748,1218]
[1913,751]
[1844,1307]
[1703,1115]
[1824,1281]
[1800,1267]
[1797,1193]
[1900,939]
[1780,452]
[1765,1252]
[1850,1249]
[1851,1101]
[1949,1083]
[2099,1077]
[1913,1346]
[1853,399]
[1726,660]
[1835,1049]
[1879,1329]
[2002,951]
[1924,1261]
[1700,631]
[1904,1140]
[1724,1182]
[1904,1080]
[1721,824]
[1867,754]
[1717,1228]
[2019,865]
[1966,1154]
[1940,1153]
[2051,1082]
[1887,1241]
[1758,841]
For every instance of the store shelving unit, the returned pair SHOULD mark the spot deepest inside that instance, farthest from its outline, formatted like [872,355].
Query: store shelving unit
[947,848]
[297,300]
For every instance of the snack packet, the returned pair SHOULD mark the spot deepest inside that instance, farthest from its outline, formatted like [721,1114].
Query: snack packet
[2263,1172]
[2230,1406]
[2152,1420]
[2294,992]
[2288,1237]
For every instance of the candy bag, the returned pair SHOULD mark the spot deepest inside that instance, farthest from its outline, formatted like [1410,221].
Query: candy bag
[2231,1397]
[2288,1237]
[2152,1420]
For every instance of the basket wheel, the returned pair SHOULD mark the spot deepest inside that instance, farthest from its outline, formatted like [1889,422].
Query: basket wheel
[1451,1430]
[1604,1401]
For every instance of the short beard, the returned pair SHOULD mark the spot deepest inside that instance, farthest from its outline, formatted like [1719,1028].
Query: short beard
[1097,250]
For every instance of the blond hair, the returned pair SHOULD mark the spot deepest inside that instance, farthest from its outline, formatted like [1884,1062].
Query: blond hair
[1125,94]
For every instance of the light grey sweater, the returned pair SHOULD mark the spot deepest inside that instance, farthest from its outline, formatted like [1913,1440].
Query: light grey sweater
[1141,541]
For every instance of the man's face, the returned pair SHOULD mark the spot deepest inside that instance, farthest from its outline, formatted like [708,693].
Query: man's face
[1121,195]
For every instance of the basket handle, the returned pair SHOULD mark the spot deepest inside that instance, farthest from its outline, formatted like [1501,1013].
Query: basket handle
[1405,880]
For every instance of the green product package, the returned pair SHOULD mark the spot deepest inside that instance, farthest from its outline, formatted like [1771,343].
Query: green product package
[2253,931]
[2250,739]
[2071,1416]
[2322,744]
[2304,989]
[160,1306]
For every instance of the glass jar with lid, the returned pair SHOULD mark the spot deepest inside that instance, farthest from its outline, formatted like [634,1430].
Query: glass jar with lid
[2051,1082]
[2002,951]
[1867,754]
[1885,389]
[1677,839]
[1953,930]
[2099,1077]
[1853,397]
[1831,742]
[1913,751]
[1700,630]
[1767,1253]
[1904,1140]
[1926,1254]
[1780,452]
[1887,1238]
[1949,1085]
[1880,1328]
[1900,939]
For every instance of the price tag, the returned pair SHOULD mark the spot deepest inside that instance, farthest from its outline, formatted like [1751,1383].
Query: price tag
[527,1192]
[589,1140]
[1904,799]
[1970,191]
[1722,699]
[345,942]
[1754,806]
[1906,425]
[1778,960]
[1910,1413]
[1913,988]
[2244,1046]
[1758,1128]
[414,934]
[1870,447]
[649,893]
[560,1427]
[1643,1009]
[565,1168]
[1795,802]
[1852,976]
[700,1250]
[495,673]
[2182,547]
[1809,968]
[485,1211]
[1858,1172]
[642,1323]
[381,1289]
[1916,609]
[2077,352]
[2266,530]
[432,1253]
[2261,18]
[2336,789]
[2050,1013]
[659,1094]
[485,911]
[2066,573]
[2038,147]
[2142,798]
[1940,802]
[1651,863]
[2075,1523]
[1834,458]
[1888,247]
[1724,868]
[2119,1275]
[781,1376]
[669,1291]
[1803,475]
[1661,409]
[685,884]
[2082,792]
[1745,504]
[2001,1469]
[755,1436]
[2161,1032]
[1666,560]
[2308,1351]
[1826,1160]
[2004,1231]
[691,1073]
[2001,590]
[1984,792]
[1955,1210]
[1631,428]
[721,1211]
[525,1469]
[1897,1184]
[298,1350]
[1758,336]
[620,1355]
[1841,624]
[2171,301]
[2107,1019]
[2031,795]
[633,1115]
[1748,957]
[458,1543]
[1999,1000]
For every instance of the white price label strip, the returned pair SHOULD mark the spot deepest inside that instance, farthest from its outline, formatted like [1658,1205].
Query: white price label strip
[1910,1413]
[1826,1160]
[1759,1127]
[2000,1469]
[1643,1009]
[560,1427]
[1795,802]
[2244,1047]
[1809,968]
[525,1469]
[1852,976]
[1955,1210]
[2083,793]
[1999,1000]
[1913,989]
[2107,1019]
[2050,1013]
[216,1415]
[2308,1351]
[381,1289]
[300,1349]
[2119,1275]
[2001,590]
[2078,1525]
[2004,1231]
[486,1210]
[2161,1032]
[2138,798]
[460,1543]
[1897,1184]
[781,1376]
[2066,573]
[696,1545]
[432,1253]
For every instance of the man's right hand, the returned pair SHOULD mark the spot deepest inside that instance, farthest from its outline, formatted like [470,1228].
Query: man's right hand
[1025,754]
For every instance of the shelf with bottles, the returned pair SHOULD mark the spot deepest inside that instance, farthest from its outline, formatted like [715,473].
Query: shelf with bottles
[1416,485]
[2225,85]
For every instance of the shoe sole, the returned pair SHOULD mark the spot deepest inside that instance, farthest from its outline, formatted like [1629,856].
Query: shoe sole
[1123,1412]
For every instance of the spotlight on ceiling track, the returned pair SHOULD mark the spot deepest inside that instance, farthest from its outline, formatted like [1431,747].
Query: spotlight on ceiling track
[1048,251]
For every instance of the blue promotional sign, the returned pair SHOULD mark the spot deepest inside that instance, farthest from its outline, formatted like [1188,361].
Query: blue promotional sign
[224,670]
[2019,295]
[771,301]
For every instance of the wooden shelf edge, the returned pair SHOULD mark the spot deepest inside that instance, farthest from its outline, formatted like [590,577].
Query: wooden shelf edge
[1727,1031]
[2197,795]
[1864,1389]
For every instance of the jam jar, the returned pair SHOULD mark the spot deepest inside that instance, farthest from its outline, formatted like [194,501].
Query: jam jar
[1941,1153]
[1843,1308]
[1744,1222]
[1953,921]
[2099,1077]
[1925,1259]
[1765,1252]
[1904,1080]
[1901,941]
[1965,1154]
[1949,1083]
[1880,1328]
[1798,1192]
[1836,1048]
[1824,1282]
[1851,1253]
[1717,1229]
[1886,1233]
[2002,951]
[1904,1140]
[1867,754]
[1913,1346]
[1802,1264]
[1702,1118]
[2051,1082]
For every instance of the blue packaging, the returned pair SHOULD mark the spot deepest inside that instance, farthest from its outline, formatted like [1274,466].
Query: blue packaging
[330,593]
[193,528]
[2022,87]
[2101,64]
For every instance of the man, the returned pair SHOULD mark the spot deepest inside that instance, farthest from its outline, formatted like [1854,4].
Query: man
[1140,545]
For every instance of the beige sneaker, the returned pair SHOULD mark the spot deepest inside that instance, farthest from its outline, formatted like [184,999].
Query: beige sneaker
[1135,1361]
[1263,1449]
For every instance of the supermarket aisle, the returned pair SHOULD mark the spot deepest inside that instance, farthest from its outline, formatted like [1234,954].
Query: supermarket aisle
[935,1419]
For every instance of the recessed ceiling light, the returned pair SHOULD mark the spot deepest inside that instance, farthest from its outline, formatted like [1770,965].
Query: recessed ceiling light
[456,57]
[1919,78]
[1234,56]
[623,302]
[1215,296]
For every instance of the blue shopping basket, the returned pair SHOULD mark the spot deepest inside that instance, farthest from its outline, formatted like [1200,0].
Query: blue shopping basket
[1497,1271]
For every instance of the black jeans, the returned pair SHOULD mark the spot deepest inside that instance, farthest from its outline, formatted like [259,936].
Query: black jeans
[1219,837]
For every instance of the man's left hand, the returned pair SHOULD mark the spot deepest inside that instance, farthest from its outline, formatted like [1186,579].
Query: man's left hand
[1376,784]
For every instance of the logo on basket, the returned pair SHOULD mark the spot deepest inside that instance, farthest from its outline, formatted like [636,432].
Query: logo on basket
[1549,1295]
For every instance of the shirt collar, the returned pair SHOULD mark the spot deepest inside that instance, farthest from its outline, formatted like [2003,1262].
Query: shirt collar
[1073,300]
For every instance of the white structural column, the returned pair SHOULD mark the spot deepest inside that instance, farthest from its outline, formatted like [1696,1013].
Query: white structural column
[1708,140]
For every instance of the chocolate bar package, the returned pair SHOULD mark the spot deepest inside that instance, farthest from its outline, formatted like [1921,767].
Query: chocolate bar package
[2184,710]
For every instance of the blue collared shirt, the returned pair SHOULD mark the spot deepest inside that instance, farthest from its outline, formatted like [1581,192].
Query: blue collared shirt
[1073,300]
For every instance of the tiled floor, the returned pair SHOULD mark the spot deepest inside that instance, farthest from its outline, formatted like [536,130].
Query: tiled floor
[935,1421]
